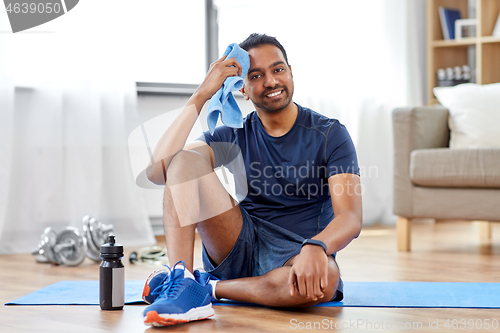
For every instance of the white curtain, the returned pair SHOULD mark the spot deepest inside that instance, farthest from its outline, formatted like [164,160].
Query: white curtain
[352,60]
[63,141]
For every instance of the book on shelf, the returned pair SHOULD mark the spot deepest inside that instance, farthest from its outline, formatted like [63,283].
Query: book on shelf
[496,31]
[448,16]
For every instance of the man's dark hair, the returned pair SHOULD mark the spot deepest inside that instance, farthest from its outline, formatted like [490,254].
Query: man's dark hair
[256,40]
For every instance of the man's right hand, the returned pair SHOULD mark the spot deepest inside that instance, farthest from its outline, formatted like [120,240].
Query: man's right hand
[219,71]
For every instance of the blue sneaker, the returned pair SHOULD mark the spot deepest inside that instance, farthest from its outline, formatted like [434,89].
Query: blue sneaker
[204,278]
[158,277]
[180,299]
[154,280]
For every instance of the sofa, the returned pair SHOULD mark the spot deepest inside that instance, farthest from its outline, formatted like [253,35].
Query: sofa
[432,180]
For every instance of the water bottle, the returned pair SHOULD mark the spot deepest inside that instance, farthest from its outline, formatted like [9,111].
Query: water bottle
[111,276]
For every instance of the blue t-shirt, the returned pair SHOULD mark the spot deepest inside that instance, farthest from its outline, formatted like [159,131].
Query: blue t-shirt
[284,180]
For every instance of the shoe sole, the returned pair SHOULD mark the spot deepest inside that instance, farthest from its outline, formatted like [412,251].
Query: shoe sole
[168,319]
[147,290]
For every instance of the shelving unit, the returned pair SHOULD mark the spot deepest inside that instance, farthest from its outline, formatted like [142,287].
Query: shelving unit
[449,53]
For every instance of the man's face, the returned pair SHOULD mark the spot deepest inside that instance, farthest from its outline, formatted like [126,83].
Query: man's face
[269,81]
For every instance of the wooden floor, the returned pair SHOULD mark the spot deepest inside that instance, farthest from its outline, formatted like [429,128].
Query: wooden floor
[441,252]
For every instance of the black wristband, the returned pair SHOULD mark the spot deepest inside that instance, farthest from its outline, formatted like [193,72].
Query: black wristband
[314,242]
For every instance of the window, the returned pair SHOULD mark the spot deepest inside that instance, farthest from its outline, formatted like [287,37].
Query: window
[147,40]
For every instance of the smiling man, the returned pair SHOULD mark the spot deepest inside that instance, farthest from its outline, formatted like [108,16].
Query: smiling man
[276,245]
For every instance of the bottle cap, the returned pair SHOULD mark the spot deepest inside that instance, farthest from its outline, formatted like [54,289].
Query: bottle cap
[111,249]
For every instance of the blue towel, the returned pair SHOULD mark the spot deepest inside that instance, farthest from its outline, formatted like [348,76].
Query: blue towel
[223,101]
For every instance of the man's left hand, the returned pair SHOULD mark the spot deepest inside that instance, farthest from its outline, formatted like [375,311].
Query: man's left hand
[309,273]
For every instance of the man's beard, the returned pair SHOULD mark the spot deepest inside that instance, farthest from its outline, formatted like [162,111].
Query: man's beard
[270,107]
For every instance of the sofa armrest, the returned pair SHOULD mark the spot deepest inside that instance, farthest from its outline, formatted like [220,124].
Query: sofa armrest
[414,128]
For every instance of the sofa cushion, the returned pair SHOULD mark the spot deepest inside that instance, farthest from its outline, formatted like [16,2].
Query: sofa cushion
[444,167]
[474,114]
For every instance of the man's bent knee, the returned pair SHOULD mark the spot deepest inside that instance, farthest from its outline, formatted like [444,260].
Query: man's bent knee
[194,190]
[187,165]
[330,290]
[333,281]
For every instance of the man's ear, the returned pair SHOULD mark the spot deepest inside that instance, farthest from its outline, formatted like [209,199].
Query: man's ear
[290,67]
[244,93]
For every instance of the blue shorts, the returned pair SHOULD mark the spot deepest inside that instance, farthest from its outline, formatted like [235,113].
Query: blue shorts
[261,247]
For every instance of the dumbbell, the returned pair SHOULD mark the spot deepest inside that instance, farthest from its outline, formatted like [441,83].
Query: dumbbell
[67,247]
[44,253]
[96,233]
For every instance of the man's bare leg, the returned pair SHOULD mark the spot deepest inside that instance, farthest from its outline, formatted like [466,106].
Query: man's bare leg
[194,197]
[272,289]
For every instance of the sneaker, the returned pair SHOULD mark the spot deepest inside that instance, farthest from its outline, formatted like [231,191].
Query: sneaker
[204,278]
[180,299]
[154,280]
[158,277]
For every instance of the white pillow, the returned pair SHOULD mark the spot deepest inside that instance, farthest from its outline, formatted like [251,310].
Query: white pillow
[474,114]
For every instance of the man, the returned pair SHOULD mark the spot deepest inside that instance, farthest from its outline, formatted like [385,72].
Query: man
[275,247]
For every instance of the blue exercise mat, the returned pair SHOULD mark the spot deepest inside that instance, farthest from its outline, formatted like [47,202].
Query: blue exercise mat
[77,293]
[357,294]
[420,295]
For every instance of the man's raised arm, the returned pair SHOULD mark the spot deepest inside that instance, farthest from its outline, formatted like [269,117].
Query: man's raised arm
[174,139]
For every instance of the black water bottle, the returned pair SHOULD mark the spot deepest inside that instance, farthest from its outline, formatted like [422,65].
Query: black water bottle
[111,276]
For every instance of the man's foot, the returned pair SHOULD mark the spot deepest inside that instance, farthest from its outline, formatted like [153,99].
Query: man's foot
[180,299]
[158,277]
[206,279]
[154,280]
